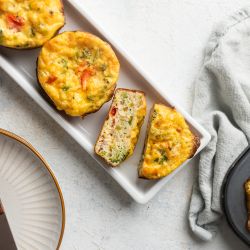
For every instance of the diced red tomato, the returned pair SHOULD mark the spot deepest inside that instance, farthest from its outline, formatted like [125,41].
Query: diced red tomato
[86,74]
[82,67]
[51,79]
[113,111]
[15,22]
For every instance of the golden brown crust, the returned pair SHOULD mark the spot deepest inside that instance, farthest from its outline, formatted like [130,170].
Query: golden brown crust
[196,145]
[49,100]
[131,90]
[107,117]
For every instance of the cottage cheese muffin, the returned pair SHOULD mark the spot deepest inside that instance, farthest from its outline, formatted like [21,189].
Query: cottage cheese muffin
[78,71]
[29,23]
[122,126]
[169,143]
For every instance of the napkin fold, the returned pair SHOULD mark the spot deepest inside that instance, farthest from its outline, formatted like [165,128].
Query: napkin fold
[222,105]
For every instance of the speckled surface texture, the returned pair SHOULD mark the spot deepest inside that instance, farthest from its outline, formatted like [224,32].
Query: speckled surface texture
[167,38]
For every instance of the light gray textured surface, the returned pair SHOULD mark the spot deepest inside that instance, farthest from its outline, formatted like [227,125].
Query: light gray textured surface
[166,38]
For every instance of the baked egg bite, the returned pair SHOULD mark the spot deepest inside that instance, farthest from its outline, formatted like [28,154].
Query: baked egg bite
[169,143]
[29,23]
[122,126]
[78,71]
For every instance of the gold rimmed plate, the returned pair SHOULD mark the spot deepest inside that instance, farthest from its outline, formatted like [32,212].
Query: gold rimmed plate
[31,195]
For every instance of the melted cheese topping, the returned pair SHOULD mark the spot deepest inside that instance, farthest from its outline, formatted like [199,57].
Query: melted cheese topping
[78,71]
[122,127]
[29,23]
[169,143]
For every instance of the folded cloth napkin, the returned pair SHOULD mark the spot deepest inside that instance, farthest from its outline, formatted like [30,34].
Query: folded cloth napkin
[222,105]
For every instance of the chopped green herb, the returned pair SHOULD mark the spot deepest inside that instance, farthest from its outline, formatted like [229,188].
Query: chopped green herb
[96,55]
[120,156]
[65,88]
[64,63]
[102,153]
[124,95]
[118,127]
[103,67]
[33,32]
[90,98]
[156,159]
[130,120]
[77,55]
[154,114]
[86,53]
[162,158]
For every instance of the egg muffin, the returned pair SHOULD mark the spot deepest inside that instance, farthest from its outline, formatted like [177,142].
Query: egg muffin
[29,23]
[169,143]
[122,126]
[78,71]
[247,193]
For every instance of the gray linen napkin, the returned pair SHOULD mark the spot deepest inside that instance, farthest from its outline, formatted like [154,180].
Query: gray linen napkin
[222,105]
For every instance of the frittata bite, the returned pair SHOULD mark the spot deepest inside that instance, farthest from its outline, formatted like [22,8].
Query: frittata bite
[78,71]
[29,23]
[121,128]
[247,192]
[169,143]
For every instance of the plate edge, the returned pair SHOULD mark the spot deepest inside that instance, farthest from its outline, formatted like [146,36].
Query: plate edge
[46,165]
[223,198]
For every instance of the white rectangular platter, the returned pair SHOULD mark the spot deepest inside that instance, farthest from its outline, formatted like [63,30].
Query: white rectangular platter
[21,66]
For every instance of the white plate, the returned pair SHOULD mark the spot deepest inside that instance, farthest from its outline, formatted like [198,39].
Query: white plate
[30,194]
[21,65]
